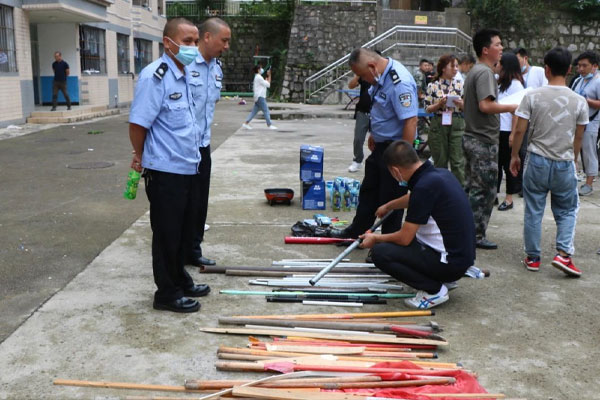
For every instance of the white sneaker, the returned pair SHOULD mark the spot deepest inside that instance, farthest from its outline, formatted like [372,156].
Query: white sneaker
[246,126]
[355,166]
[206,227]
[425,301]
[449,285]
[272,127]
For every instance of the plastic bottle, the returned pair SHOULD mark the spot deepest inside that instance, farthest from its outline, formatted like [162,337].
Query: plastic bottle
[133,179]
[346,202]
[416,143]
[336,198]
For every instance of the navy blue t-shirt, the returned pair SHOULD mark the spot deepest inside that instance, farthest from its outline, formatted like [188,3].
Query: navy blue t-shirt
[435,193]
[60,70]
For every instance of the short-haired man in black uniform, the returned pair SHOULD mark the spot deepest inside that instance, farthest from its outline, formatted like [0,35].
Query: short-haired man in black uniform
[436,244]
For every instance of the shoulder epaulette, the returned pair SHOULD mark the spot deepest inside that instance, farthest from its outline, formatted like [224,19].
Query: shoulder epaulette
[395,78]
[161,71]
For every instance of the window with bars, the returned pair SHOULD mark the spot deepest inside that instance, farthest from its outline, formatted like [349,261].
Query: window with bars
[123,53]
[142,53]
[92,50]
[8,52]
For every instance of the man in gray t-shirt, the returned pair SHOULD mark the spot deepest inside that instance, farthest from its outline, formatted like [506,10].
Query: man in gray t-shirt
[480,141]
[557,118]
[588,86]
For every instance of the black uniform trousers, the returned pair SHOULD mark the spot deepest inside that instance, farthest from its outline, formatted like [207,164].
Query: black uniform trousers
[204,182]
[513,183]
[377,188]
[173,211]
[417,265]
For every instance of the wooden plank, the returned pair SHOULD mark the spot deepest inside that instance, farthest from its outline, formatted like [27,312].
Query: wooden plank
[221,384]
[352,338]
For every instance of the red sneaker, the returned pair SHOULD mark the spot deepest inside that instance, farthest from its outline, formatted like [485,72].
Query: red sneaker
[566,265]
[532,263]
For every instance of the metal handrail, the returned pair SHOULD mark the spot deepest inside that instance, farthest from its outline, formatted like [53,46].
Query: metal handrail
[327,77]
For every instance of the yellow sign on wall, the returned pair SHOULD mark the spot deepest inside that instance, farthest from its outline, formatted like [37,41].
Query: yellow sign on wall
[420,19]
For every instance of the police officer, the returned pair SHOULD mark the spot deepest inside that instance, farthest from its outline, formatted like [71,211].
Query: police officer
[166,142]
[393,117]
[206,79]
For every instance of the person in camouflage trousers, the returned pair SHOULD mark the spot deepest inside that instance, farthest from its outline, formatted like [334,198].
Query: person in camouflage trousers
[481,174]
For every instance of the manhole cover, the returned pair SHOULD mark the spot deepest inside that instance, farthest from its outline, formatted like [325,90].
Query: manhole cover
[91,165]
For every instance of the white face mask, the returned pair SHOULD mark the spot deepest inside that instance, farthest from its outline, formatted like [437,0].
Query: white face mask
[376,76]
[261,71]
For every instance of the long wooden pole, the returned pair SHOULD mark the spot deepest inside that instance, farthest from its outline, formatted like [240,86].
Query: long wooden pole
[349,326]
[122,385]
[223,269]
[221,384]
[287,353]
[352,338]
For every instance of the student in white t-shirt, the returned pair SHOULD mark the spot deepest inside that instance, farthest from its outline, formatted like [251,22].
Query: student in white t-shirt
[558,117]
[259,87]
[510,81]
[533,77]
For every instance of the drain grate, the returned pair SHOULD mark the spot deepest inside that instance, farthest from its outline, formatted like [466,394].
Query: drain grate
[91,165]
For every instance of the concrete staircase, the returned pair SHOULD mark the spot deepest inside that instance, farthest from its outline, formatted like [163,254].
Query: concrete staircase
[64,116]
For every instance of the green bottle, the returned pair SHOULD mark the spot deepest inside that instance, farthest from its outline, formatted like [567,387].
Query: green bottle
[133,179]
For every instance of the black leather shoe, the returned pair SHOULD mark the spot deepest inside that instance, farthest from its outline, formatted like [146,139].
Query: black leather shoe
[199,261]
[485,244]
[496,201]
[505,206]
[181,305]
[197,291]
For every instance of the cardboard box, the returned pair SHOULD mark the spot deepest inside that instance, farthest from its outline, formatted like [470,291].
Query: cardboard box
[313,195]
[311,163]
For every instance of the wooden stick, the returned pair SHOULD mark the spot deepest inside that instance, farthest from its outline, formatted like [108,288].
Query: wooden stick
[272,355]
[212,385]
[353,338]
[339,325]
[390,314]
[122,385]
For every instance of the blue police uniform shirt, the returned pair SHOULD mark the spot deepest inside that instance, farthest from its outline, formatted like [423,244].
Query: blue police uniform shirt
[206,80]
[165,107]
[394,100]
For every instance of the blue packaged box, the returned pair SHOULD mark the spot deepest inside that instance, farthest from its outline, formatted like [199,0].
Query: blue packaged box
[313,195]
[311,163]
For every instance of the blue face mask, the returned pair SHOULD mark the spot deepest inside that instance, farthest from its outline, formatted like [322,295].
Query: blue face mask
[261,71]
[402,183]
[186,55]
[523,68]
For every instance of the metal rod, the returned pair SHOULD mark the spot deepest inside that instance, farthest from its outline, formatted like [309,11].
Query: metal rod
[354,245]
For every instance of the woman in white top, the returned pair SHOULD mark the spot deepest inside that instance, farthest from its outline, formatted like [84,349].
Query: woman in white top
[510,81]
[259,87]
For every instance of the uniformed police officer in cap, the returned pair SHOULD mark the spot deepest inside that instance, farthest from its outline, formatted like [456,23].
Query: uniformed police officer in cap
[166,143]
[393,116]
[206,80]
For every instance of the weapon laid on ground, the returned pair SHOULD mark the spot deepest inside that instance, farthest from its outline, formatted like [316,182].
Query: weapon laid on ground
[348,250]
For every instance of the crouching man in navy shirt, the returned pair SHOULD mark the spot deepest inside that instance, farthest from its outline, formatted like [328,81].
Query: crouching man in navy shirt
[436,244]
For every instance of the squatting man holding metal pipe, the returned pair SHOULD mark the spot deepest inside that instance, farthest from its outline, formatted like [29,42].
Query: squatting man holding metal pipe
[436,244]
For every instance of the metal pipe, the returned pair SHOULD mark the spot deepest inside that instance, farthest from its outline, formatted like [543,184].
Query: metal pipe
[354,245]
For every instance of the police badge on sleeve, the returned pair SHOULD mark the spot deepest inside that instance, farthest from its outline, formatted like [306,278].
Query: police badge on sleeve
[405,99]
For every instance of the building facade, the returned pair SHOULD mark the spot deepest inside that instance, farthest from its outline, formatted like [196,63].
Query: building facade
[105,42]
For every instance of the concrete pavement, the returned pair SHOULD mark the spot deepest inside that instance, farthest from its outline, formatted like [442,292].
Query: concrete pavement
[529,335]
